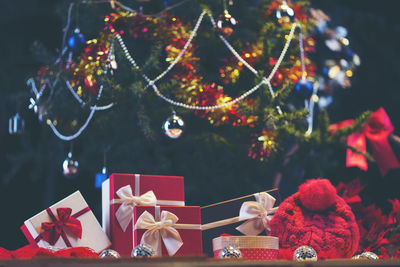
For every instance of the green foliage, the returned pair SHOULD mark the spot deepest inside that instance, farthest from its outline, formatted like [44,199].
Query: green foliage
[206,155]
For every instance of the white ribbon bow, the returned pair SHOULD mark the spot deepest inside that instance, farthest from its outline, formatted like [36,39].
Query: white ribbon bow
[124,214]
[256,214]
[162,230]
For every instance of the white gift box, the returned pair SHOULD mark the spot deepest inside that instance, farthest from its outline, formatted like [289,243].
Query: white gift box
[92,236]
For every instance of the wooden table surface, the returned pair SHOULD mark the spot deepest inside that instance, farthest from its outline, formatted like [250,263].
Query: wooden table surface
[189,261]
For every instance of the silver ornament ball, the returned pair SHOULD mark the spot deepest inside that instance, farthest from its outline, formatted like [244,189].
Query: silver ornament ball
[305,253]
[173,126]
[142,251]
[366,256]
[70,166]
[230,252]
[109,253]
[284,14]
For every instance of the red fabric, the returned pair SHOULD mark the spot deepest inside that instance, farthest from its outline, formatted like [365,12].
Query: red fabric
[317,195]
[377,130]
[29,252]
[332,232]
[53,230]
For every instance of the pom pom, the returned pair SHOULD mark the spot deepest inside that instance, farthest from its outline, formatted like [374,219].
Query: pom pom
[317,194]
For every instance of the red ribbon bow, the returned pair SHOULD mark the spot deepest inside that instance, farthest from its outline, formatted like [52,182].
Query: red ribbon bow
[377,130]
[65,222]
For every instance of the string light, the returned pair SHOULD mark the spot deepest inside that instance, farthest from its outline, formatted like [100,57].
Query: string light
[151,83]
[265,80]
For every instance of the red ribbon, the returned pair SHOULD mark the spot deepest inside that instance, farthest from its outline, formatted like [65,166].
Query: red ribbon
[377,130]
[65,222]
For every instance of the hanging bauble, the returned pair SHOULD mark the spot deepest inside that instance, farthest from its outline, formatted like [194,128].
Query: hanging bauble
[366,256]
[340,32]
[100,177]
[76,41]
[333,45]
[230,252]
[304,88]
[284,14]
[167,3]
[109,253]
[305,253]
[173,126]
[142,251]
[70,166]
[226,23]
[16,124]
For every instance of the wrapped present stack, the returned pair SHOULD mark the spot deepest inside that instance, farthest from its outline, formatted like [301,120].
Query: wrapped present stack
[150,209]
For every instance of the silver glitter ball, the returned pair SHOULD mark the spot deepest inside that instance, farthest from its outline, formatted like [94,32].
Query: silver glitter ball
[143,251]
[173,126]
[285,14]
[305,253]
[70,166]
[230,252]
[366,256]
[109,253]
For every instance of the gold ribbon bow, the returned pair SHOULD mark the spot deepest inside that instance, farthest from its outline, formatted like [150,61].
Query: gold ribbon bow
[124,213]
[164,230]
[256,214]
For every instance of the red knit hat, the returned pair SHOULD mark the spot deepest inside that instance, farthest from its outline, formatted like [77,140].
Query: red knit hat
[317,217]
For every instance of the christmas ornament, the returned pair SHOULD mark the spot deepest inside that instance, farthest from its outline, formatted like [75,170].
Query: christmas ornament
[173,126]
[340,32]
[100,177]
[284,14]
[76,41]
[226,22]
[33,105]
[16,124]
[230,252]
[70,166]
[304,88]
[109,253]
[366,256]
[167,3]
[305,253]
[142,251]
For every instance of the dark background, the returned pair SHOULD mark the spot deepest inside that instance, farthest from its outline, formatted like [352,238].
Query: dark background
[374,31]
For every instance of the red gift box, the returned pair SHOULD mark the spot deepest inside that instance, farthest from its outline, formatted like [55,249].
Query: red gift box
[121,192]
[255,248]
[182,225]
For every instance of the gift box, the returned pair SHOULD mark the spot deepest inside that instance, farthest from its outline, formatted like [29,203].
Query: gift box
[169,230]
[247,215]
[68,223]
[121,192]
[256,248]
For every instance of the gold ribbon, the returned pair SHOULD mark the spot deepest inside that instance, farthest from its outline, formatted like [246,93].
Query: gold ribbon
[256,214]
[162,230]
[253,216]
[125,211]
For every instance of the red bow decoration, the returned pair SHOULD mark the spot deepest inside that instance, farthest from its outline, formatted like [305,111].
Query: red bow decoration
[53,230]
[377,130]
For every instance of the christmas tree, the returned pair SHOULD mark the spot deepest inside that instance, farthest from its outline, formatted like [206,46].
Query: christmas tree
[232,95]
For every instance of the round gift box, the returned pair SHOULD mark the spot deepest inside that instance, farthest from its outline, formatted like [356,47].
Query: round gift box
[255,248]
